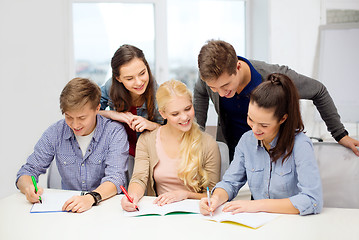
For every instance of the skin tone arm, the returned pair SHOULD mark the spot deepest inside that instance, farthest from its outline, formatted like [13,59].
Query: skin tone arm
[220,196]
[136,192]
[350,143]
[136,123]
[83,203]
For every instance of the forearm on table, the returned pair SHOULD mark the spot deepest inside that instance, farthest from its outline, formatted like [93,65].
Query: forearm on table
[106,190]
[276,206]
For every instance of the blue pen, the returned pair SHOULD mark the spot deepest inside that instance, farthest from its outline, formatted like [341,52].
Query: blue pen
[209,199]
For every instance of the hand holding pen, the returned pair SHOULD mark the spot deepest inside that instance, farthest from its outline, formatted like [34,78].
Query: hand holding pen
[124,205]
[35,185]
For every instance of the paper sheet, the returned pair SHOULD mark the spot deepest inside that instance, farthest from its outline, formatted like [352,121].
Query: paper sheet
[52,201]
[148,208]
[253,220]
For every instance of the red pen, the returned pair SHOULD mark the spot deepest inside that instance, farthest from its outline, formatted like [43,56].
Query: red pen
[128,196]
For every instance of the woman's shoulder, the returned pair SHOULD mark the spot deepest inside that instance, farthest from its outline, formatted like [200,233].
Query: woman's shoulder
[148,135]
[208,140]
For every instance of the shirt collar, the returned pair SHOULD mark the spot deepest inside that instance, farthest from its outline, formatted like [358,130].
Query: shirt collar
[273,143]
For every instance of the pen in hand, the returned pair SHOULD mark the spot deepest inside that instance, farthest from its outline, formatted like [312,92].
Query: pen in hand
[209,201]
[35,185]
[128,196]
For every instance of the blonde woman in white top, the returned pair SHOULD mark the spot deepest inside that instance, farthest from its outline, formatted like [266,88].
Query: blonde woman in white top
[176,161]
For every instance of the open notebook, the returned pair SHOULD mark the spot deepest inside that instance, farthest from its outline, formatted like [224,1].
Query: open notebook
[252,220]
[53,201]
[147,208]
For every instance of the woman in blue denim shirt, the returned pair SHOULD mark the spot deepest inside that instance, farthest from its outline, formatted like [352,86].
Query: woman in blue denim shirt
[130,94]
[275,157]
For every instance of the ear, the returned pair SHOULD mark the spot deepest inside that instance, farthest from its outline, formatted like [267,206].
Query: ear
[118,79]
[162,114]
[238,65]
[98,108]
[283,118]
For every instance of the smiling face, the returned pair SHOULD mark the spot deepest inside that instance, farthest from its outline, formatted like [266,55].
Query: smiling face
[134,76]
[179,113]
[82,121]
[263,123]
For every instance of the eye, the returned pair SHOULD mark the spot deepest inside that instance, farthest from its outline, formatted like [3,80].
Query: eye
[188,108]
[143,72]
[264,126]
[174,114]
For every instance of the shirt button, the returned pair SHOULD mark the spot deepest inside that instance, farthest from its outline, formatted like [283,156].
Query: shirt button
[252,169]
[83,181]
[99,161]
[65,163]
[83,165]
[89,150]
[315,204]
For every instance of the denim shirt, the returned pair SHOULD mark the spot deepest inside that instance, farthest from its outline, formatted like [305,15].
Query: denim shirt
[297,178]
[141,111]
[105,159]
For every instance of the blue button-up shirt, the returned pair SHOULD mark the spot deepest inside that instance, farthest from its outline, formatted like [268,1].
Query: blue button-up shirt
[297,178]
[105,159]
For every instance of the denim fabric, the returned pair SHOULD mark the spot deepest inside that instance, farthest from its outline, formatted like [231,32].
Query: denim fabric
[105,159]
[297,178]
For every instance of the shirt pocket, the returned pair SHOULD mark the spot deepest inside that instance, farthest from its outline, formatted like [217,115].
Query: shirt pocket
[284,175]
[255,176]
[96,165]
[66,160]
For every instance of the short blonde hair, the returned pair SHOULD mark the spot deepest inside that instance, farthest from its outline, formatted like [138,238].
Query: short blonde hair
[77,93]
[191,170]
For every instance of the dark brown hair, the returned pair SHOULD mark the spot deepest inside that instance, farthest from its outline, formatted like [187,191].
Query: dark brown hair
[120,96]
[215,58]
[278,92]
[77,93]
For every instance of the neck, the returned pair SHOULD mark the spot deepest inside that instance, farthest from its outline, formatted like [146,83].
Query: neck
[136,100]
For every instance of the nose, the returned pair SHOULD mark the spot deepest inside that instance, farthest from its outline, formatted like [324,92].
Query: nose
[138,81]
[75,123]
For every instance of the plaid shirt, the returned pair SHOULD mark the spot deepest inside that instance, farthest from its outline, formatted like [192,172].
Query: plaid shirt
[105,159]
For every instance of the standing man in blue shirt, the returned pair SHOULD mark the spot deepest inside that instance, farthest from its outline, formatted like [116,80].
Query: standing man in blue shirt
[91,151]
[228,80]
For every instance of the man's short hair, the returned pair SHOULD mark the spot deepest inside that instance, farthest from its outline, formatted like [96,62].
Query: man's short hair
[215,58]
[77,93]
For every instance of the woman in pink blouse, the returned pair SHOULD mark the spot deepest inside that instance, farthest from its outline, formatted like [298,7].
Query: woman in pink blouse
[177,160]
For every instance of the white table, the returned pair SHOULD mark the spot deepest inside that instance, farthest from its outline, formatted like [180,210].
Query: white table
[106,221]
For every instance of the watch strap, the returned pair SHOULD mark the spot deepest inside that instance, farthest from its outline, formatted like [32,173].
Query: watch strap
[96,196]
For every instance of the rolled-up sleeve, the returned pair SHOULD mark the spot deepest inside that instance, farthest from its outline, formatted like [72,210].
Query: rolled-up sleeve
[309,200]
[117,158]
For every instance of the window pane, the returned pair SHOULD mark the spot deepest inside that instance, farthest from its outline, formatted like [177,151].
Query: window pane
[192,23]
[99,29]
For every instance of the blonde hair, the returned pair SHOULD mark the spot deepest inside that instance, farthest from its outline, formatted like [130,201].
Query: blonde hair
[77,93]
[190,170]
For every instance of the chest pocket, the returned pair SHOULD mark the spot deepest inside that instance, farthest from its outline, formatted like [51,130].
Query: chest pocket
[284,175]
[255,176]
[65,160]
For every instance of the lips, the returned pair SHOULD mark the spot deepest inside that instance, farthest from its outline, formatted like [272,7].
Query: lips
[228,93]
[185,123]
[140,88]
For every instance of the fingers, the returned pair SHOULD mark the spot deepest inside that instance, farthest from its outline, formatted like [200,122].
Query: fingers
[127,205]
[78,204]
[139,124]
[164,199]
[203,206]
[31,196]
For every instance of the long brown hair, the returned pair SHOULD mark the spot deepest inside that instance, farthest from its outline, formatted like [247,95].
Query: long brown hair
[278,92]
[120,96]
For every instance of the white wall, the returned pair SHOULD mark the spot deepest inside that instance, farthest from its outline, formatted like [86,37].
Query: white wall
[33,71]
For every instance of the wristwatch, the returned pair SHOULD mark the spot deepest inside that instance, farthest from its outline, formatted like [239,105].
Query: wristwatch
[95,196]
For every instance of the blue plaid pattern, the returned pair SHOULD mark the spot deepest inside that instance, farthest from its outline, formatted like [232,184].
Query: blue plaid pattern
[105,159]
